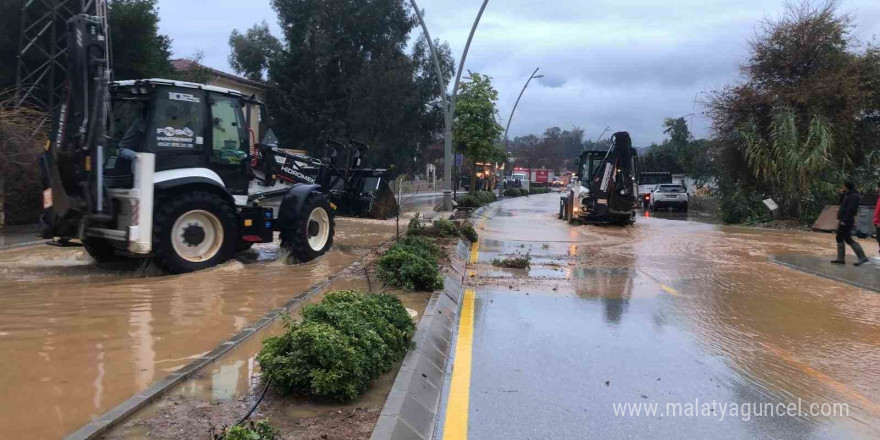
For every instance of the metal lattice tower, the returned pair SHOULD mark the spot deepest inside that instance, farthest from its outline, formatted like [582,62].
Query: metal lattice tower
[42,61]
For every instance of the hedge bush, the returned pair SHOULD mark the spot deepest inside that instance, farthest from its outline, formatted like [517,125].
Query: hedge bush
[421,245]
[343,343]
[406,270]
[539,190]
[441,228]
[467,231]
[251,431]
[476,199]
[512,192]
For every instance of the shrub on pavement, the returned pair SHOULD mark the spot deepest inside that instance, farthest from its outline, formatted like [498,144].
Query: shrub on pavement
[406,270]
[512,192]
[343,343]
[424,246]
[515,262]
[476,199]
[441,228]
[467,231]
[261,430]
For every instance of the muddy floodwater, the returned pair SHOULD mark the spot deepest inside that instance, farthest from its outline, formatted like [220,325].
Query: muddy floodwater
[668,310]
[77,339]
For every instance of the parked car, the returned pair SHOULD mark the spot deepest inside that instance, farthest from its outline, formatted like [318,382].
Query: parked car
[669,195]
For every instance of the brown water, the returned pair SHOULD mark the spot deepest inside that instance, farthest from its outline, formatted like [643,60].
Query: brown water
[236,377]
[77,339]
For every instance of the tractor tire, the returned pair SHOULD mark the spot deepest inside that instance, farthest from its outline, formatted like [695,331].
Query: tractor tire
[100,250]
[194,231]
[310,235]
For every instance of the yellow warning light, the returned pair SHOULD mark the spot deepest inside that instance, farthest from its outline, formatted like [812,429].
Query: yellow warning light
[248,222]
[88,163]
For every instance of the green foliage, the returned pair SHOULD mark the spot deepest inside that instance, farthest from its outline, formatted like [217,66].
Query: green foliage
[425,247]
[406,270]
[261,430]
[252,51]
[804,119]
[343,343]
[441,228]
[539,190]
[787,159]
[139,50]
[556,149]
[514,262]
[468,232]
[679,153]
[315,358]
[740,204]
[444,228]
[512,192]
[477,199]
[344,72]
[475,131]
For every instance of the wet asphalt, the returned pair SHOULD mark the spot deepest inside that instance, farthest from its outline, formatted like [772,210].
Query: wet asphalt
[671,313]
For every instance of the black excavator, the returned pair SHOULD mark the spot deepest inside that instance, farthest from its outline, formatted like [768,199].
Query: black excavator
[605,190]
[353,189]
[162,168]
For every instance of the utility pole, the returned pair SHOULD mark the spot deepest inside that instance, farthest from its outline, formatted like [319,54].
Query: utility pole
[448,107]
[506,142]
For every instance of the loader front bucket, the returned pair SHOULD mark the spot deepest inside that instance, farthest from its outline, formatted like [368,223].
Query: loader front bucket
[383,203]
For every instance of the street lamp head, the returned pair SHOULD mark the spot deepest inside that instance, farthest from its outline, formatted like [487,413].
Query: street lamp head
[538,76]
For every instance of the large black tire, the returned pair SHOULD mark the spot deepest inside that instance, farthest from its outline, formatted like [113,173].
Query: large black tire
[310,223]
[100,250]
[212,219]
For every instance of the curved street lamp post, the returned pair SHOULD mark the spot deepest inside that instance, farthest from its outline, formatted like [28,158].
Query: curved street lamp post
[448,108]
[506,142]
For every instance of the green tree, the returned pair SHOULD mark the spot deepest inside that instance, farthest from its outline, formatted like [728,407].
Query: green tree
[475,131]
[810,89]
[139,50]
[789,159]
[252,51]
[343,72]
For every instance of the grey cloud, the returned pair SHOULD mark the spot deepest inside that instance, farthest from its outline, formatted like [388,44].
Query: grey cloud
[625,63]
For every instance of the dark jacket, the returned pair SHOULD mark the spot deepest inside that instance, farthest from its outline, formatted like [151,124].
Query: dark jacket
[849,207]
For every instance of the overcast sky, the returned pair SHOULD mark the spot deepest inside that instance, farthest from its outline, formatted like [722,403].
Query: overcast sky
[626,64]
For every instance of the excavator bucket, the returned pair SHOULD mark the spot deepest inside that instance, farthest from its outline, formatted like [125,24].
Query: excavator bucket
[383,203]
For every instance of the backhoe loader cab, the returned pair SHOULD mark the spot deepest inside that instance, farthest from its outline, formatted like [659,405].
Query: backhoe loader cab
[606,189]
[175,177]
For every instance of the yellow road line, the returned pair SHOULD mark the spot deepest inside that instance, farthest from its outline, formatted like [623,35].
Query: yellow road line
[826,380]
[456,425]
[665,288]
[669,290]
[475,251]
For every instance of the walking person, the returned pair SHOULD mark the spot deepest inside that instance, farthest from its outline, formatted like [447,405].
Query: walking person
[877,222]
[846,216]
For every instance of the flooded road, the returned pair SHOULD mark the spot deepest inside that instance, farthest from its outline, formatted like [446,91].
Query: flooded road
[670,311]
[77,339]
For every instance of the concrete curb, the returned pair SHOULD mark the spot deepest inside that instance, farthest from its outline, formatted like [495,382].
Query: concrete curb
[126,409]
[823,275]
[413,405]
[23,245]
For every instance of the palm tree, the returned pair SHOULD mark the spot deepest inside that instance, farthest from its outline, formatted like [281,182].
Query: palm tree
[785,160]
